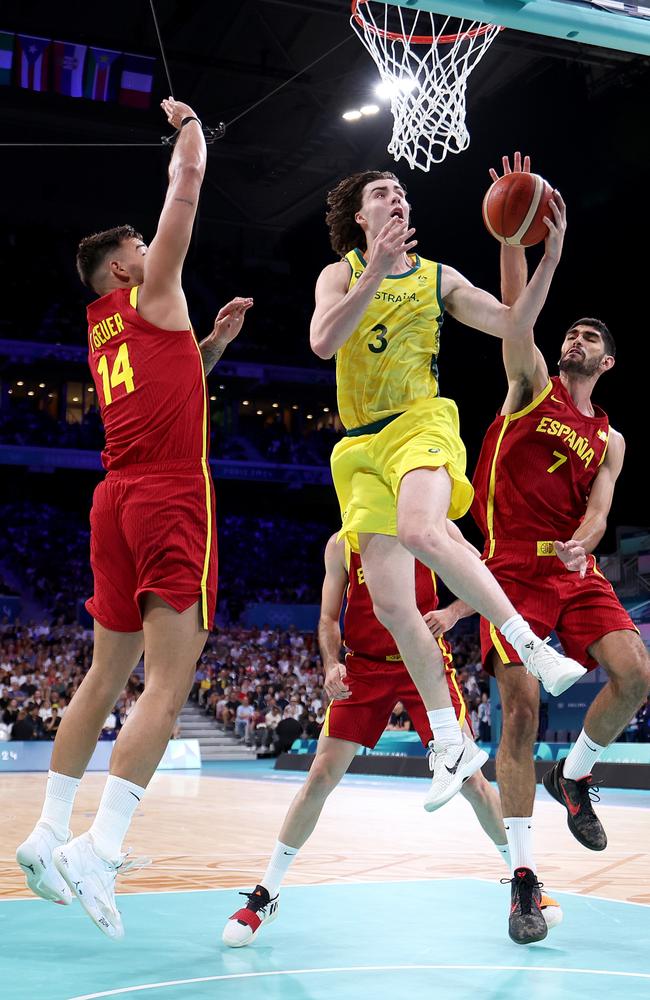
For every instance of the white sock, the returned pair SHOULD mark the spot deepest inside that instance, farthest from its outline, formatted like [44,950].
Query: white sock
[581,757]
[521,637]
[444,726]
[281,858]
[519,831]
[59,799]
[118,803]
[504,851]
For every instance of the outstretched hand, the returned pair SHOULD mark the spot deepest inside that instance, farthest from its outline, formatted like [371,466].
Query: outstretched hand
[573,555]
[556,228]
[516,167]
[392,241]
[176,111]
[229,321]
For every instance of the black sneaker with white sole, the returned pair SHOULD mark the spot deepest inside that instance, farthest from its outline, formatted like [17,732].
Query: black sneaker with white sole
[526,923]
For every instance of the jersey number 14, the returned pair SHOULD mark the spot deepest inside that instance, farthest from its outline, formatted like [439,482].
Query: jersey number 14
[121,373]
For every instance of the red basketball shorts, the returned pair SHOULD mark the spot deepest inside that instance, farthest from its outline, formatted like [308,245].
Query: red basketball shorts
[152,530]
[552,598]
[377,685]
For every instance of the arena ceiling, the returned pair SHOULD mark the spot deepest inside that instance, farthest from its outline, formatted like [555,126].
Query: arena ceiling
[282,152]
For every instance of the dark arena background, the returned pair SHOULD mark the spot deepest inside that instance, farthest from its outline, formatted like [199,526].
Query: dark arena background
[383,897]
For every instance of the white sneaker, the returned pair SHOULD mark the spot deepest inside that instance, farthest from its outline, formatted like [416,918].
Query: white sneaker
[555,671]
[92,880]
[451,767]
[245,924]
[551,911]
[35,858]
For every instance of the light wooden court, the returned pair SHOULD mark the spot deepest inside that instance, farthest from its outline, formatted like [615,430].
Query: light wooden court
[206,832]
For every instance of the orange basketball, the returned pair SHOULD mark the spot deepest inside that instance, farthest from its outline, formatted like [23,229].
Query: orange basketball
[513,208]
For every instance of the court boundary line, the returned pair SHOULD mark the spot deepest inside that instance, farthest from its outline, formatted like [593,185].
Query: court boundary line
[361,968]
[315,885]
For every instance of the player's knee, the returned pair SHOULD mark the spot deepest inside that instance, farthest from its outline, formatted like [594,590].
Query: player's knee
[324,776]
[388,610]
[422,540]
[636,678]
[520,722]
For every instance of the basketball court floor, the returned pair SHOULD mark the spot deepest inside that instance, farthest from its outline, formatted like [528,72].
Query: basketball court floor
[384,900]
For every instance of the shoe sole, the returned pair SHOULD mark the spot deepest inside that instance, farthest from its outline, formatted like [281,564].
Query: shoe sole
[477,761]
[243,944]
[34,872]
[100,921]
[548,780]
[564,682]
[531,940]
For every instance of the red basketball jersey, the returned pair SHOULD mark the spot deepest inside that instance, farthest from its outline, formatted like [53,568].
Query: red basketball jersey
[536,469]
[363,633]
[150,385]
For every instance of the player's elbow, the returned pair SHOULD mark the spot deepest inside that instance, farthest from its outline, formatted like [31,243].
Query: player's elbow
[187,177]
[320,347]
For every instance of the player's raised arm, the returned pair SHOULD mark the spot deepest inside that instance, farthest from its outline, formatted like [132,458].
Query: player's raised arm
[161,299]
[482,311]
[338,311]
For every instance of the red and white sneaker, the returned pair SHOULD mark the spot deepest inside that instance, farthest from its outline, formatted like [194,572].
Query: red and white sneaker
[245,924]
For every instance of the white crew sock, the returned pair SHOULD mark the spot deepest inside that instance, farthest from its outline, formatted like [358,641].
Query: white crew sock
[521,637]
[281,858]
[581,757]
[444,726]
[119,801]
[504,851]
[519,831]
[59,799]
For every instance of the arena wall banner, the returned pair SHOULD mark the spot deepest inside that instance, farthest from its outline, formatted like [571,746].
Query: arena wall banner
[17,755]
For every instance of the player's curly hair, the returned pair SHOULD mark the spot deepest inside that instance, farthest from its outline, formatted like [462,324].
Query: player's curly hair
[602,328]
[343,203]
[92,250]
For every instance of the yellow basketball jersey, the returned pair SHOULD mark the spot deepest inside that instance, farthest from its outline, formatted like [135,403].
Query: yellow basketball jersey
[391,359]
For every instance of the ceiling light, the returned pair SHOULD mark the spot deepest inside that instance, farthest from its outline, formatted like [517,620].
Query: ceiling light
[75,399]
[275,405]
[20,383]
[259,413]
[326,409]
[388,88]
[369,109]
[213,398]
[295,406]
[41,385]
[310,416]
[245,402]
[222,387]
[31,392]
[90,388]
[351,116]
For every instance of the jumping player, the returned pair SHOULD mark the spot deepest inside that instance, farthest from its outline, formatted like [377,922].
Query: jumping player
[400,470]
[364,691]
[544,486]
[153,542]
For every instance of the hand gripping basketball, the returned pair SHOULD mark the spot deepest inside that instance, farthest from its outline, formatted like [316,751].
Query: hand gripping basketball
[516,208]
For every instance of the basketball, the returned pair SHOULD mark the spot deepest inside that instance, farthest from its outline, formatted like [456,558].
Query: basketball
[514,206]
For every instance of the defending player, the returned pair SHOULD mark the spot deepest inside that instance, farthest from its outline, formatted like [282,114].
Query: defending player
[544,486]
[400,471]
[363,692]
[153,541]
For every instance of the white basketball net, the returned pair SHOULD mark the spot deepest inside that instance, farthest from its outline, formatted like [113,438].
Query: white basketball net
[427,78]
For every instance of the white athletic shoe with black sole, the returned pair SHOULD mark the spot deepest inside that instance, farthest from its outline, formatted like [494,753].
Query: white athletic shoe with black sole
[244,925]
[35,858]
[555,671]
[451,767]
[92,880]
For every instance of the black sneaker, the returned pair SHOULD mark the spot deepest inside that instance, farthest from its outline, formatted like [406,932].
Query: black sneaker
[576,797]
[245,924]
[527,923]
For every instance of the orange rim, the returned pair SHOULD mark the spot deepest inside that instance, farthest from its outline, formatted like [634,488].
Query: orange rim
[396,36]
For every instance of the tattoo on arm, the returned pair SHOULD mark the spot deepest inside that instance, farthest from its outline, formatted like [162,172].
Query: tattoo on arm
[187,201]
[210,354]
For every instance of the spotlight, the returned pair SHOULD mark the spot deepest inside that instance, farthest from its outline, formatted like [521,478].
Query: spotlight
[369,109]
[351,116]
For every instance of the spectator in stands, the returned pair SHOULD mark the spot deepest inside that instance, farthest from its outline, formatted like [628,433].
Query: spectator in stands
[243,718]
[287,730]
[22,728]
[51,724]
[484,719]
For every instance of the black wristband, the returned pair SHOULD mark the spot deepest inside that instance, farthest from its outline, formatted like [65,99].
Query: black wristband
[190,118]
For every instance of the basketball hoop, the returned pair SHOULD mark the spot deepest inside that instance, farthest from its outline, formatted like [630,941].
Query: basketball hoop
[424,60]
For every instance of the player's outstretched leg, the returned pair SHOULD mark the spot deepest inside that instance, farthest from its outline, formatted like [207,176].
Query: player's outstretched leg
[333,757]
[422,507]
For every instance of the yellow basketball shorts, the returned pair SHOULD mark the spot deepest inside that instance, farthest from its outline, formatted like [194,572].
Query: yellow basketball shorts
[368,469]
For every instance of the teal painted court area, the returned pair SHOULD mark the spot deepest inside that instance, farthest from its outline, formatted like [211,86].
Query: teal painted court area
[349,941]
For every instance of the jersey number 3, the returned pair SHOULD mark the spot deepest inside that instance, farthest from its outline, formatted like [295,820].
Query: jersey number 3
[121,374]
[380,330]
